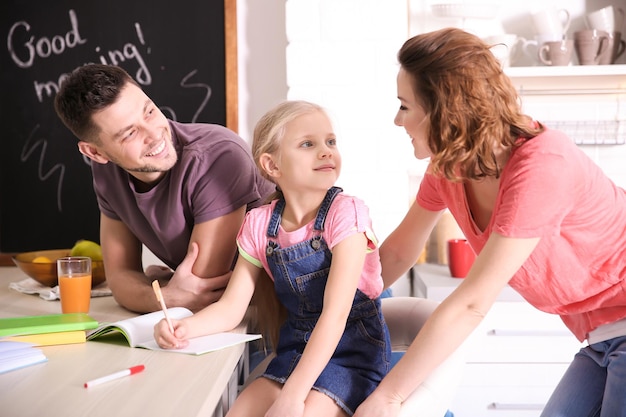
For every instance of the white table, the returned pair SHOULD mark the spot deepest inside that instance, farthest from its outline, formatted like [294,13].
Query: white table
[171,385]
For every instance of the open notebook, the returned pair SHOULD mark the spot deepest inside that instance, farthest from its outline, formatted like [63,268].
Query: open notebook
[139,332]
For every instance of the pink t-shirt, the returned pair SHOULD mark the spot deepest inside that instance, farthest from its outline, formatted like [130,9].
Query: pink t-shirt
[347,215]
[550,189]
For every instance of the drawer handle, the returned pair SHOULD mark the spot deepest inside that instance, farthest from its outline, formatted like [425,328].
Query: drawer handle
[513,406]
[541,333]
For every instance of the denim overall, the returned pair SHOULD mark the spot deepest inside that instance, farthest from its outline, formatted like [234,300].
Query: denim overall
[362,357]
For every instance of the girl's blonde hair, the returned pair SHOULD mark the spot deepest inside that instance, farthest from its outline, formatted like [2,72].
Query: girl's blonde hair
[268,133]
[472,105]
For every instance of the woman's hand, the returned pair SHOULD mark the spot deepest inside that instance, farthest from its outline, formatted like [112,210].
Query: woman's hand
[168,340]
[286,407]
[377,405]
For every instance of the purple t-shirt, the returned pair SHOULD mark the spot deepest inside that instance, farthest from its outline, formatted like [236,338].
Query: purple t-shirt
[215,175]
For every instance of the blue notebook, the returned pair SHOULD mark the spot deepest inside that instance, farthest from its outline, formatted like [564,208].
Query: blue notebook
[16,355]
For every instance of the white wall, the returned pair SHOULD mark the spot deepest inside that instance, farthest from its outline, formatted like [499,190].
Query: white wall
[262,68]
[341,54]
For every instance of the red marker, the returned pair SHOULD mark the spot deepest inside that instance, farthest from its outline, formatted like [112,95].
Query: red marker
[116,375]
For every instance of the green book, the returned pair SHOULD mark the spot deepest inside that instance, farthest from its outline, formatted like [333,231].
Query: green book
[52,323]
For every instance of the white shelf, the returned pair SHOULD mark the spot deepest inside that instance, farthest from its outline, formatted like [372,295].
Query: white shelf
[566,71]
[569,80]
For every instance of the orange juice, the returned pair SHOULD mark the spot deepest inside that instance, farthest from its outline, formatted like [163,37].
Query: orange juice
[75,293]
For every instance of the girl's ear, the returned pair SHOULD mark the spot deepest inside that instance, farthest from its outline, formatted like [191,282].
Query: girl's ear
[269,165]
[92,152]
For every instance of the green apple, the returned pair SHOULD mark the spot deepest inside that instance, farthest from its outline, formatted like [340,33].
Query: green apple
[87,248]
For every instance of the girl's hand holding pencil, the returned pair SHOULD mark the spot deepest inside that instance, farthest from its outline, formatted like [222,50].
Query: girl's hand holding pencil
[168,340]
[165,330]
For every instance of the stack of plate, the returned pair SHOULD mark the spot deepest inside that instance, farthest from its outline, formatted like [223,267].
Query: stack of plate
[465,10]
[478,18]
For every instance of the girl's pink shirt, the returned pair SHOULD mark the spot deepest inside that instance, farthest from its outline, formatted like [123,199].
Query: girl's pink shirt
[550,189]
[347,216]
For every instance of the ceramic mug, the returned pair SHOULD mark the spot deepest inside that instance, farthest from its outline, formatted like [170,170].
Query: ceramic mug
[554,22]
[615,50]
[609,19]
[557,53]
[461,256]
[531,47]
[504,46]
[590,44]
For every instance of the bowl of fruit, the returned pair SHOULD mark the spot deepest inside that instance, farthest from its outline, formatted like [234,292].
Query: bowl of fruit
[41,265]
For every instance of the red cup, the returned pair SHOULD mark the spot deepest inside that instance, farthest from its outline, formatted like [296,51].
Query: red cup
[460,257]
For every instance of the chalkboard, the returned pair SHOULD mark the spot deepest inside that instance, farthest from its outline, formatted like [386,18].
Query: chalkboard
[183,54]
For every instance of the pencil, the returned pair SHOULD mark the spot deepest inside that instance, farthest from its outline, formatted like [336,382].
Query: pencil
[157,291]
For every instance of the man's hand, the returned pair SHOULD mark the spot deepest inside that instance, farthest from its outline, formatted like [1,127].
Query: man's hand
[161,273]
[189,290]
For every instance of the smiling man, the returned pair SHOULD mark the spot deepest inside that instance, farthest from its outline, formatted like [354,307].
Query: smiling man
[180,189]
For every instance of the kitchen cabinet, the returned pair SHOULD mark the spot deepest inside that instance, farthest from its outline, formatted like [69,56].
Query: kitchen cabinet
[515,357]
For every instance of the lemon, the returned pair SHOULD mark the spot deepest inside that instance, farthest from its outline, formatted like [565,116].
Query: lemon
[87,248]
[42,260]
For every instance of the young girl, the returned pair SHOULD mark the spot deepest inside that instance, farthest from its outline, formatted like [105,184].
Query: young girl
[317,246]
